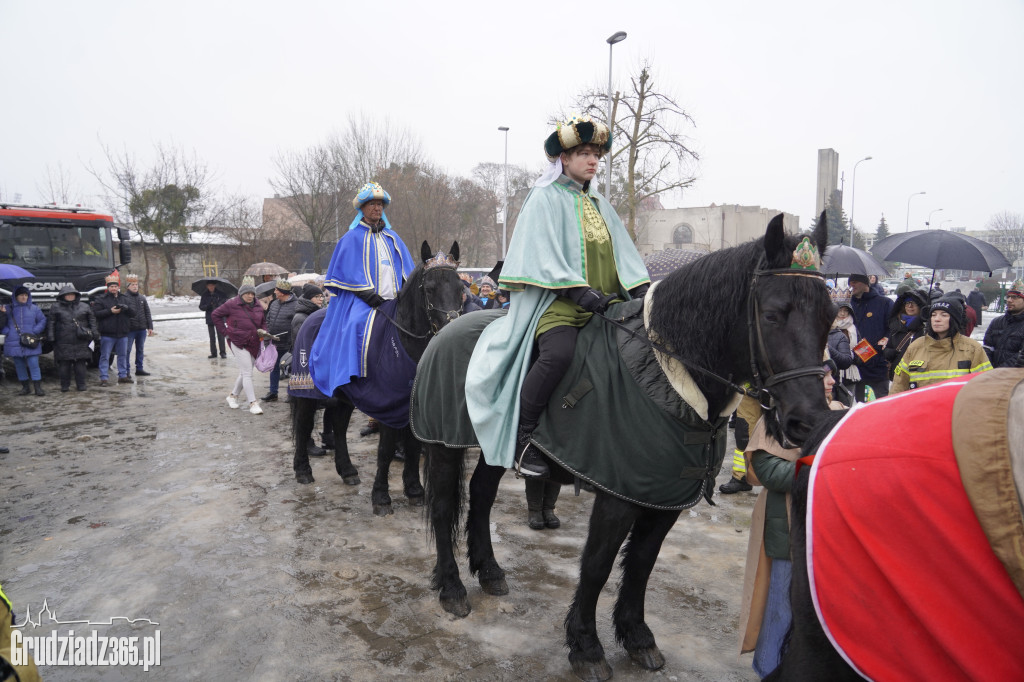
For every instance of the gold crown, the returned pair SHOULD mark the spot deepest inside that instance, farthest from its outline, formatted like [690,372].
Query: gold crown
[441,260]
[805,256]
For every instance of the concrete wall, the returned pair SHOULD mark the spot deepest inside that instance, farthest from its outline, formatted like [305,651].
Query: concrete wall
[707,228]
[828,178]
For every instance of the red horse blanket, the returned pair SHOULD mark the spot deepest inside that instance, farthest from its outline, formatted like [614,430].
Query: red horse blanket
[904,579]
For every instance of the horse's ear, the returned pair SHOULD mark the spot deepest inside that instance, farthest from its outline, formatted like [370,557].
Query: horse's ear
[820,234]
[454,252]
[774,241]
[425,251]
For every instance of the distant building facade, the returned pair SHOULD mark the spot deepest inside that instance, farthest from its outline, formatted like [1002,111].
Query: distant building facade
[707,228]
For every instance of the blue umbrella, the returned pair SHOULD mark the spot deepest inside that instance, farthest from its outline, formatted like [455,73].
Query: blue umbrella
[8,271]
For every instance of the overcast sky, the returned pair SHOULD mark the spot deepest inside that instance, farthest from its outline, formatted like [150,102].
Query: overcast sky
[933,90]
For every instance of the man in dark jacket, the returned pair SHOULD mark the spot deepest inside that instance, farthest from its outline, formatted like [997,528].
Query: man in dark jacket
[113,316]
[208,302]
[1004,340]
[279,323]
[311,301]
[976,299]
[70,328]
[141,324]
[871,317]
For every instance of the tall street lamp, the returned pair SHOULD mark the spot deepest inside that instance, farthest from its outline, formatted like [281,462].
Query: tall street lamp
[853,194]
[928,222]
[616,37]
[947,220]
[504,210]
[907,228]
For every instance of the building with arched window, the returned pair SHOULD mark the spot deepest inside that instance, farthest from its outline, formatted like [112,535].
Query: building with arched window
[706,228]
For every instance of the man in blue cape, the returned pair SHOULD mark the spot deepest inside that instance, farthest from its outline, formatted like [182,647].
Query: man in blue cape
[570,257]
[369,266]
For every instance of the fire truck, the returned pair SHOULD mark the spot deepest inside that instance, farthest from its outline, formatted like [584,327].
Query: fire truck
[60,245]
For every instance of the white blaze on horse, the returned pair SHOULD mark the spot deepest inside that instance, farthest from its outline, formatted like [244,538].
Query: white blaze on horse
[736,315]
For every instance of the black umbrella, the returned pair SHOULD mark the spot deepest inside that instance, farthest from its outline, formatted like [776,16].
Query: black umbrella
[265,289]
[663,263]
[939,249]
[849,260]
[223,286]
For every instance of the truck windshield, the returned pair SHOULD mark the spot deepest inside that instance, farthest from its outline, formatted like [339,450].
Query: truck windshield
[41,245]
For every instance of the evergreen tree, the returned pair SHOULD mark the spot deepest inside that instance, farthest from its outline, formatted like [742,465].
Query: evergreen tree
[882,231]
[838,225]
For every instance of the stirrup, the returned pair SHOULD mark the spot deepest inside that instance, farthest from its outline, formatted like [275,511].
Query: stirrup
[542,470]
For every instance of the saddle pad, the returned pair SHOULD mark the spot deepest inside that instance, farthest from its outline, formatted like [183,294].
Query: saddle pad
[628,435]
[903,578]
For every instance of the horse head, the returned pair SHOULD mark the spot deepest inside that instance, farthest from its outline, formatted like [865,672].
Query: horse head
[430,299]
[746,314]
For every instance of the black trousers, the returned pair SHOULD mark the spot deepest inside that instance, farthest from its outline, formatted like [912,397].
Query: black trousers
[215,337]
[64,372]
[553,355]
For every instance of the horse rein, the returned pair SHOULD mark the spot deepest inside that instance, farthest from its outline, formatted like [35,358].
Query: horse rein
[450,315]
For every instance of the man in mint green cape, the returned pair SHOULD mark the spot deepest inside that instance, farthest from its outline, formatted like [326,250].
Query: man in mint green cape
[570,256]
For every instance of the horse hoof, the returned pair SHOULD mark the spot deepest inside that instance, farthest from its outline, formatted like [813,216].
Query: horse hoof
[304,479]
[350,480]
[651,658]
[592,671]
[382,510]
[458,607]
[497,587]
[415,500]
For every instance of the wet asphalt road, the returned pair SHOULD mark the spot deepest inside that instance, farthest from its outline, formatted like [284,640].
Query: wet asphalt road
[155,501]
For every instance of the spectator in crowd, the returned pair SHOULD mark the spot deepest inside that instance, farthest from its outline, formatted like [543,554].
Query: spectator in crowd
[1004,339]
[976,300]
[141,324]
[24,317]
[279,323]
[906,323]
[876,286]
[765,614]
[243,322]
[908,284]
[113,317]
[488,293]
[748,412]
[312,300]
[71,327]
[871,313]
[848,376]
[970,316]
[943,352]
[208,302]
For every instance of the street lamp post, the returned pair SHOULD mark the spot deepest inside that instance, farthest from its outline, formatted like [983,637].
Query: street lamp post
[616,37]
[907,228]
[853,194]
[928,223]
[947,220]
[504,209]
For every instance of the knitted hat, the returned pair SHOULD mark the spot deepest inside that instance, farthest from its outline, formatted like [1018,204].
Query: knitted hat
[957,316]
[283,285]
[311,290]
[574,132]
[488,281]
[248,286]
[863,279]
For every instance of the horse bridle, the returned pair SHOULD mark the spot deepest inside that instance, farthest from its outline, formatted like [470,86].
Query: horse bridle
[450,315]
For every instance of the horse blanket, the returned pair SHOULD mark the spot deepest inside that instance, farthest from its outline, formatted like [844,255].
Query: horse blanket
[614,420]
[384,392]
[915,537]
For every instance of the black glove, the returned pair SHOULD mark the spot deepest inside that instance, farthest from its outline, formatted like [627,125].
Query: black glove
[591,300]
[640,291]
[371,298]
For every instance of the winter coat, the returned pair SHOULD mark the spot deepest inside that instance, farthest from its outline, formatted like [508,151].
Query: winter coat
[976,299]
[111,324]
[22,318]
[279,321]
[900,333]
[211,301]
[908,284]
[62,331]
[871,315]
[238,321]
[303,309]
[929,360]
[141,317]
[1005,338]
[839,348]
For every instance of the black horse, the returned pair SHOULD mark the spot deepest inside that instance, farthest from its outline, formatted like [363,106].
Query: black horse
[734,313]
[429,299]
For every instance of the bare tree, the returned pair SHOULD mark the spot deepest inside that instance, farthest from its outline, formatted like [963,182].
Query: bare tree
[491,177]
[1008,234]
[58,188]
[308,185]
[650,156]
[367,147]
[163,202]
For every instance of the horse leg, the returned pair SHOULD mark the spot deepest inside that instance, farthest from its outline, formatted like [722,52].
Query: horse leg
[610,522]
[303,414]
[340,417]
[411,470]
[638,559]
[380,497]
[444,473]
[483,488]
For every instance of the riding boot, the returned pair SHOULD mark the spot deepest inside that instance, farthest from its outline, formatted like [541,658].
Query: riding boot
[551,490]
[529,461]
[26,388]
[371,428]
[39,387]
[534,503]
